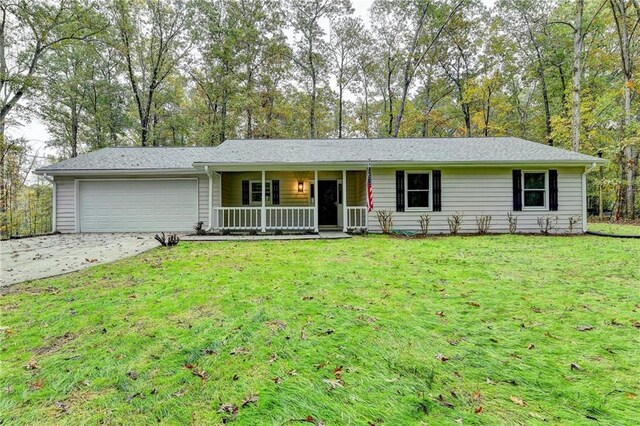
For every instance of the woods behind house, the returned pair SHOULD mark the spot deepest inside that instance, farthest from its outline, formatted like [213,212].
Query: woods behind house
[176,72]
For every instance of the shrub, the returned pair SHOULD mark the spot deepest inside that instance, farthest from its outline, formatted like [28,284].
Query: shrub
[455,222]
[547,224]
[424,221]
[385,219]
[573,221]
[169,241]
[483,223]
[198,227]
[513,223]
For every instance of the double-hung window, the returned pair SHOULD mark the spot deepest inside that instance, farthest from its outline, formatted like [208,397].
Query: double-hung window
[534,190]
[418,190]
[255,186]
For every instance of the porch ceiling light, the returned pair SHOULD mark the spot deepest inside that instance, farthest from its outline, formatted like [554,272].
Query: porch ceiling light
[300,186]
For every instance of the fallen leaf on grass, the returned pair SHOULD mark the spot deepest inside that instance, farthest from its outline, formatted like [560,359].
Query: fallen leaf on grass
[635,323]
[32,365]
[273,359]
[135,395]
[490,382]
[239,351]
[584,327]
[546,333]
[133,375]
[338,372]
[440,313]
[293,373]
[474,304]
[518,401]
[276,380]
[36,384]
[249,400]
[444,403]
[442,358]
[630,395]
[575,366]
[476,396]
[200,373]
[228,408]
[531,346]
[478,410]
[333,383]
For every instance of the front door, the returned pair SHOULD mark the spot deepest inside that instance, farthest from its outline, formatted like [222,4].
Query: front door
[328,202]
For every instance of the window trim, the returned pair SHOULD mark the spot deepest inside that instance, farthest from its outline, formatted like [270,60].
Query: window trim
[546,191]
[406,190]
[259,203]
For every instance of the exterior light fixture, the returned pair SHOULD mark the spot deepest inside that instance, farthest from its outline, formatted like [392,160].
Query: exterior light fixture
[300,186]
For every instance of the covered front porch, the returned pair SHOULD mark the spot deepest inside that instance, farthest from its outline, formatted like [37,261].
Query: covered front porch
[271,201]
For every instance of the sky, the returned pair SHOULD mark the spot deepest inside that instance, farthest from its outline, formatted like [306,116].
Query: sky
[36,132]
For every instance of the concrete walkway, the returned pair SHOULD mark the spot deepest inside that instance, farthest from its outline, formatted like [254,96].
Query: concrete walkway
[40,257]
[322,235]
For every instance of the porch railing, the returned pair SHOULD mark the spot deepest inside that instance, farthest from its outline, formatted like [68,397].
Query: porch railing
[356,217]
[290,218]
[237,218]
[250,218]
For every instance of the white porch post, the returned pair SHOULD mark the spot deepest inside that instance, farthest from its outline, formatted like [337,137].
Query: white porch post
[315,198]
[263,212]
[344,201]
[210,174]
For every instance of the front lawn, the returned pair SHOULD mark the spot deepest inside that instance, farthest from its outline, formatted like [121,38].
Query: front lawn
[615,228]
[371,330]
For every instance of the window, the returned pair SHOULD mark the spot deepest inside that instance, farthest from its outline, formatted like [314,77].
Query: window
[534,190]
[255,188]
[418,190]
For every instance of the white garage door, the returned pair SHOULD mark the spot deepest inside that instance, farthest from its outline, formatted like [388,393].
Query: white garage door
[137,205]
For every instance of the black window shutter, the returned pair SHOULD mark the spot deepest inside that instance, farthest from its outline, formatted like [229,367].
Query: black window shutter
[553,190]
[275,192]
[437,190]
[245,192]
[517,190]
[399,190]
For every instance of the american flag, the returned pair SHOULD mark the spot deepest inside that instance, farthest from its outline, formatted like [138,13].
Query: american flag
[369,190]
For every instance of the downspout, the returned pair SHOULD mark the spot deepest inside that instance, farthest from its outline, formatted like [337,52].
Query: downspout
[54,201]
[587,170]
[210,174]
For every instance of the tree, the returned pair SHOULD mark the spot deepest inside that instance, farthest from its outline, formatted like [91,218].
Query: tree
[309,51]
[627,18]
[346,43]
[152,42]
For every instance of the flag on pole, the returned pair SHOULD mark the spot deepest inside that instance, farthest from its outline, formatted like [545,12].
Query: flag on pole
[369,189]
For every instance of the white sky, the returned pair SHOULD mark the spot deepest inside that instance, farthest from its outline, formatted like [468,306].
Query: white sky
[36,133]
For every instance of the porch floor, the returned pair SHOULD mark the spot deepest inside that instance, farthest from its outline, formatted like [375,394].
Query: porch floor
[322,235]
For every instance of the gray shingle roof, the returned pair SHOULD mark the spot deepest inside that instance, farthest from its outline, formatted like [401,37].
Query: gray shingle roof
[445,150]
[432,150]
[134,159]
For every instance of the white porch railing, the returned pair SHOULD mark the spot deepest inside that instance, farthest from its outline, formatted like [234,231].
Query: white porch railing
[290,218]
[250,218]
[356,217]
[237,218]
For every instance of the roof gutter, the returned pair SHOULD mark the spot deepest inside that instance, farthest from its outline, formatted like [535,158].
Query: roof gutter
[111,172]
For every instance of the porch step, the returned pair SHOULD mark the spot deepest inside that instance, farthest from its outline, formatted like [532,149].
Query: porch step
[322,235]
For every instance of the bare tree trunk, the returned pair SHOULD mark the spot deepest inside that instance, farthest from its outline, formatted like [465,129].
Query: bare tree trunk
[340,90]
[576,77]
[74,130]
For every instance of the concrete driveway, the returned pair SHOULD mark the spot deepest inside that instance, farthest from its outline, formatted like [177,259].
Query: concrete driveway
[40,257]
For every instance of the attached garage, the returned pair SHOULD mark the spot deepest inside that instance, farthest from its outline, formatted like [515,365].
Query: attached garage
[136,205]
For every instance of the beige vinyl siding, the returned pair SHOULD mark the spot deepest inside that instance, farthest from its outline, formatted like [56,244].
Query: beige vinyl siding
[289,195]
[475,192]
[66,198]
[355,188]
[65,204]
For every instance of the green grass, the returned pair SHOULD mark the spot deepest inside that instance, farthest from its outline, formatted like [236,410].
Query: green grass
[614,228]
[421,331]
